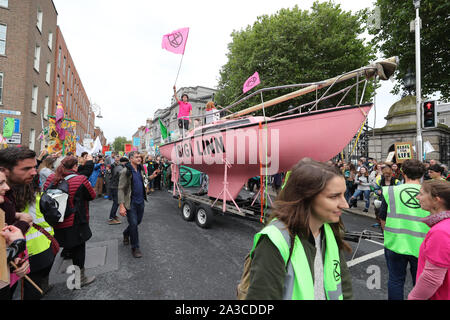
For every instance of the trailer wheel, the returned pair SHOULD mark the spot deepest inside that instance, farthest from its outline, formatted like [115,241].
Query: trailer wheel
[204,216]
[187,210]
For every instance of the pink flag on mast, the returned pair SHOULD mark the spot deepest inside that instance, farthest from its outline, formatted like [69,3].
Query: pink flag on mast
[251,82]
[59,119]
[176,41]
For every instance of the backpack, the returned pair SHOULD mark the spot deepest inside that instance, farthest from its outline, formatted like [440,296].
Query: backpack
[53,203]
[244,284]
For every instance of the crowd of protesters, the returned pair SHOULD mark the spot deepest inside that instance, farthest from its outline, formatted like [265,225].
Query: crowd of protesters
[309,198]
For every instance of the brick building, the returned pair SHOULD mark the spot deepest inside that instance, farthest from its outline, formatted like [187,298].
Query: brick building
[69,86]
[99,133]
[36,67]
[27,45]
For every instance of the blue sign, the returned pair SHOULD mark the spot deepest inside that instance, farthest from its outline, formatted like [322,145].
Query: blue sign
[136,142]
[16,125]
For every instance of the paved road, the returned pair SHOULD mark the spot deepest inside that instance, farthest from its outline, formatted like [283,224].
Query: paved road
[182,261]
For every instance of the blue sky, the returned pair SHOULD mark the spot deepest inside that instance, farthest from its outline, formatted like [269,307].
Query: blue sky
[116,47]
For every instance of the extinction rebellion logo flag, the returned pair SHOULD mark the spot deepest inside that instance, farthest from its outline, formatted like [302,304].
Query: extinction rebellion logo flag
[176,41]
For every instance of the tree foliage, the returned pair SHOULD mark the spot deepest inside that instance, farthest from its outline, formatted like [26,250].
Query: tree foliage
[394,38]
[295,46]
[119,143]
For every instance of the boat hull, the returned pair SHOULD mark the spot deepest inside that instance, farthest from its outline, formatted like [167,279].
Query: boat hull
[261,147]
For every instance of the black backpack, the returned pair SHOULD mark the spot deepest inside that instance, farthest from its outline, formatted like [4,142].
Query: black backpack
[48,204]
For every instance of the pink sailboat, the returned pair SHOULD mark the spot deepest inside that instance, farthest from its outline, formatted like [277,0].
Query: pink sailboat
[238,147]
[275,144]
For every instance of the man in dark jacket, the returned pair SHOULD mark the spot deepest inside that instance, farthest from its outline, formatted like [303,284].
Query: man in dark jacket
[114,185]
[131,196]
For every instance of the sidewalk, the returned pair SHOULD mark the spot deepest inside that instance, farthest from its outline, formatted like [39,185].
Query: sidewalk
[360,208]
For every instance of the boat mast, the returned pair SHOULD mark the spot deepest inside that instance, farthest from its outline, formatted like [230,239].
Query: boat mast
[384,69]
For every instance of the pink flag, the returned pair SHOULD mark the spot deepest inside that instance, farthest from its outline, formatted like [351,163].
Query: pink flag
[251,82]
[176,41]
[59,119]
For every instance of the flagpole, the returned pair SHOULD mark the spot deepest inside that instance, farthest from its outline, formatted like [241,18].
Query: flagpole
[179,68]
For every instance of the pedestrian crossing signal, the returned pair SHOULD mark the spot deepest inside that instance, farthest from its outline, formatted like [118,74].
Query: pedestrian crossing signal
[429,114]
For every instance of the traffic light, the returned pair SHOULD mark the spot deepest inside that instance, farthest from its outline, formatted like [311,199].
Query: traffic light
[429,114]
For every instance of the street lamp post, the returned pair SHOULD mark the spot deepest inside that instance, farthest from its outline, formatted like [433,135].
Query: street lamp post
[418,84]
[93,108]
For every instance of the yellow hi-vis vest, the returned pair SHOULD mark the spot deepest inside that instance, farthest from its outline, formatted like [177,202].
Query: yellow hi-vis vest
[404,232]
[299,283]
[37,242]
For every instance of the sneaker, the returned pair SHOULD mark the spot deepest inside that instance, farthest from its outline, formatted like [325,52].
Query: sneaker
[366,210]
[152,190]
[136,253]
[113,221]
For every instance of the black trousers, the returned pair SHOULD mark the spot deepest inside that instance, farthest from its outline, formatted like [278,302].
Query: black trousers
[39,277]
[79,255]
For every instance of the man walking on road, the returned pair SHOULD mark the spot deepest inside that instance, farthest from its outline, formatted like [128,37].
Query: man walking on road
[404,232]
[131,196]
[114,184]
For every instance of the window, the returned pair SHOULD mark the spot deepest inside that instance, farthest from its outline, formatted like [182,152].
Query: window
[37,57]
[2,39]
[50,40]
[62,91]
[48,72]
[4,3]
[46,102]
[32,138]
[64,67]
[39,19]
[1,88]
[57,86]
[59,57]
[34,98]
[68,77]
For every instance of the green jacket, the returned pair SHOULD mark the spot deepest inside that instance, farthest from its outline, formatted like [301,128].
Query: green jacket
[267,272]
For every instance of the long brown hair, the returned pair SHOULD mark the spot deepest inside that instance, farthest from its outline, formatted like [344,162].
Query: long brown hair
[438,188]
[64,169]
[293,205]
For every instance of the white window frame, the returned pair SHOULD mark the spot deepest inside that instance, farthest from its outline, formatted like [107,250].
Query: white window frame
[4,40]
[32,139]
[50,40]
[48,72]
[37,57]
[34,98]
[2,77]
[59,57]
[64,67]
[46,105]
[4,5]
[39,19]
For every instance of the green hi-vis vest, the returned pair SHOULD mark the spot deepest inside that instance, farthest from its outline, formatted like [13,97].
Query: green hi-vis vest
[37,242]
[404,232]
[299,283]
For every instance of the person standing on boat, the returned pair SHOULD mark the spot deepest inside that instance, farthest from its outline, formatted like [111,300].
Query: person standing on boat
[184,111]
[299,254]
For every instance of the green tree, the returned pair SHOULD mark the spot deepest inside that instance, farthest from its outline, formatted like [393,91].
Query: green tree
[394,38]
[119,143]
[295,46]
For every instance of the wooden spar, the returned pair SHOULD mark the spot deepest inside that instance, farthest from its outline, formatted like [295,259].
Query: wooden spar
[312,88]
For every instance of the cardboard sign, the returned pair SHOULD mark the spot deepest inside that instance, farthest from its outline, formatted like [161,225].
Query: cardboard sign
[128,147]
[4,270]
[390,156]
[403,151]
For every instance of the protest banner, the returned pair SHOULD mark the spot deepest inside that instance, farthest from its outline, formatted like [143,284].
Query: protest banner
[403,151]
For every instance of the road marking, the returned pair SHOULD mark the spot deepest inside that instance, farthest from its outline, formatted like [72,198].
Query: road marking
[373,241]
[369,256]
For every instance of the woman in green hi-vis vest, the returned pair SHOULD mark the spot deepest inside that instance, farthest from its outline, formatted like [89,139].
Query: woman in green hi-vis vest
[299,254]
